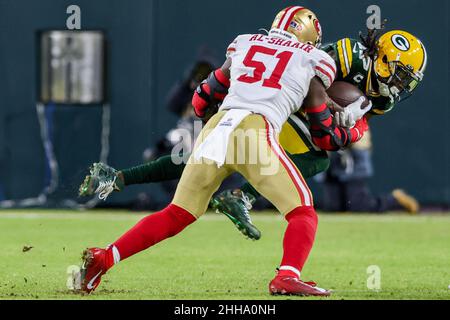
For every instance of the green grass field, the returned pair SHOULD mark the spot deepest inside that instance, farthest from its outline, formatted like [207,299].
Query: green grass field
[211,260]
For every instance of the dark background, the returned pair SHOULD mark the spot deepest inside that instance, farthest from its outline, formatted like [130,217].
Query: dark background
[151,45]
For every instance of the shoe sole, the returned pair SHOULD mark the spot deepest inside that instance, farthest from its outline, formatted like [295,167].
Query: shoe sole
[275,292]
[244,227]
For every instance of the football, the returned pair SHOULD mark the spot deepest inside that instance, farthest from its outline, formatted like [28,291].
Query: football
[344,93]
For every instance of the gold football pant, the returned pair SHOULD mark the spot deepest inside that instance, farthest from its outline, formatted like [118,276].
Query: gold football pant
[255,153]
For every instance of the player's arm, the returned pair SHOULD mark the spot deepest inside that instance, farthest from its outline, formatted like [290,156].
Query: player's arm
[212,91]
[325,133]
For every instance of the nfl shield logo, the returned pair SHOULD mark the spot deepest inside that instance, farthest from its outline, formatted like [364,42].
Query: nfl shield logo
[295,26]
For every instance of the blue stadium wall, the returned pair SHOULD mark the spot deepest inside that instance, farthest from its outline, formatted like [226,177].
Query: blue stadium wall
[150,46]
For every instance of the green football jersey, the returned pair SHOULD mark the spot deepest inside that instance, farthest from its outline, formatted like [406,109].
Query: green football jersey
[355,68]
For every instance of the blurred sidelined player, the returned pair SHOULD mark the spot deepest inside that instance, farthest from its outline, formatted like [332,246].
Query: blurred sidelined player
[267,78]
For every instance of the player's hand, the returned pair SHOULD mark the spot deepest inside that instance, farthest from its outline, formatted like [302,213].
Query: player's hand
[201,100]
[352,113]
[206,99]
[344,119]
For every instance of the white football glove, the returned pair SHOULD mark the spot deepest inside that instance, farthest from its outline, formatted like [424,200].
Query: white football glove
[344,119]
[352,113]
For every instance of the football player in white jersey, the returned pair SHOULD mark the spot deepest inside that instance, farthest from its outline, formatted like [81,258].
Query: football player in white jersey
[267,78]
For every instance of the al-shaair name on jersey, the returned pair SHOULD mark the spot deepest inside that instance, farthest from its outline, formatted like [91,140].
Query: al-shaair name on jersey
[271,74]
[355,68]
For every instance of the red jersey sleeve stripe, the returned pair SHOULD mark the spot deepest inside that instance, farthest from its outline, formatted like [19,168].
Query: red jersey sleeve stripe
[332,68]
[327,74]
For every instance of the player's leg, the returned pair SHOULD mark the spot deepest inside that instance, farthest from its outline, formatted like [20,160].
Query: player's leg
[199,181]
[161,169]
[196,186]
[284,186]
[104,179]
[279,181]
[237,203]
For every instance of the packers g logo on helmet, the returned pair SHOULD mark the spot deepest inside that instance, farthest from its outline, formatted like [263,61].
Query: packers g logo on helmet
[401,61]
[300,22]
[400,42]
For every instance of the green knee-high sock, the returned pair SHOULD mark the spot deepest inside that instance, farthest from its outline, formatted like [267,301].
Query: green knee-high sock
[161,169]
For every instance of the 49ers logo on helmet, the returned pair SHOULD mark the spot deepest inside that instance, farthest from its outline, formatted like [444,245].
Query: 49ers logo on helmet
[318,27]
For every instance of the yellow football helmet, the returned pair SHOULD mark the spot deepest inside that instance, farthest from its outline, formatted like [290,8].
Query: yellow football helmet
[300,22]
[400,61]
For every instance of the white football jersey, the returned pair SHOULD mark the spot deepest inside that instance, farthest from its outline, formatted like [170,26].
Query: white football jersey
[270,74]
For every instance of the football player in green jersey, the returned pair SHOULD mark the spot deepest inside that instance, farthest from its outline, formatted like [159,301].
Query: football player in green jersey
[386,68]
